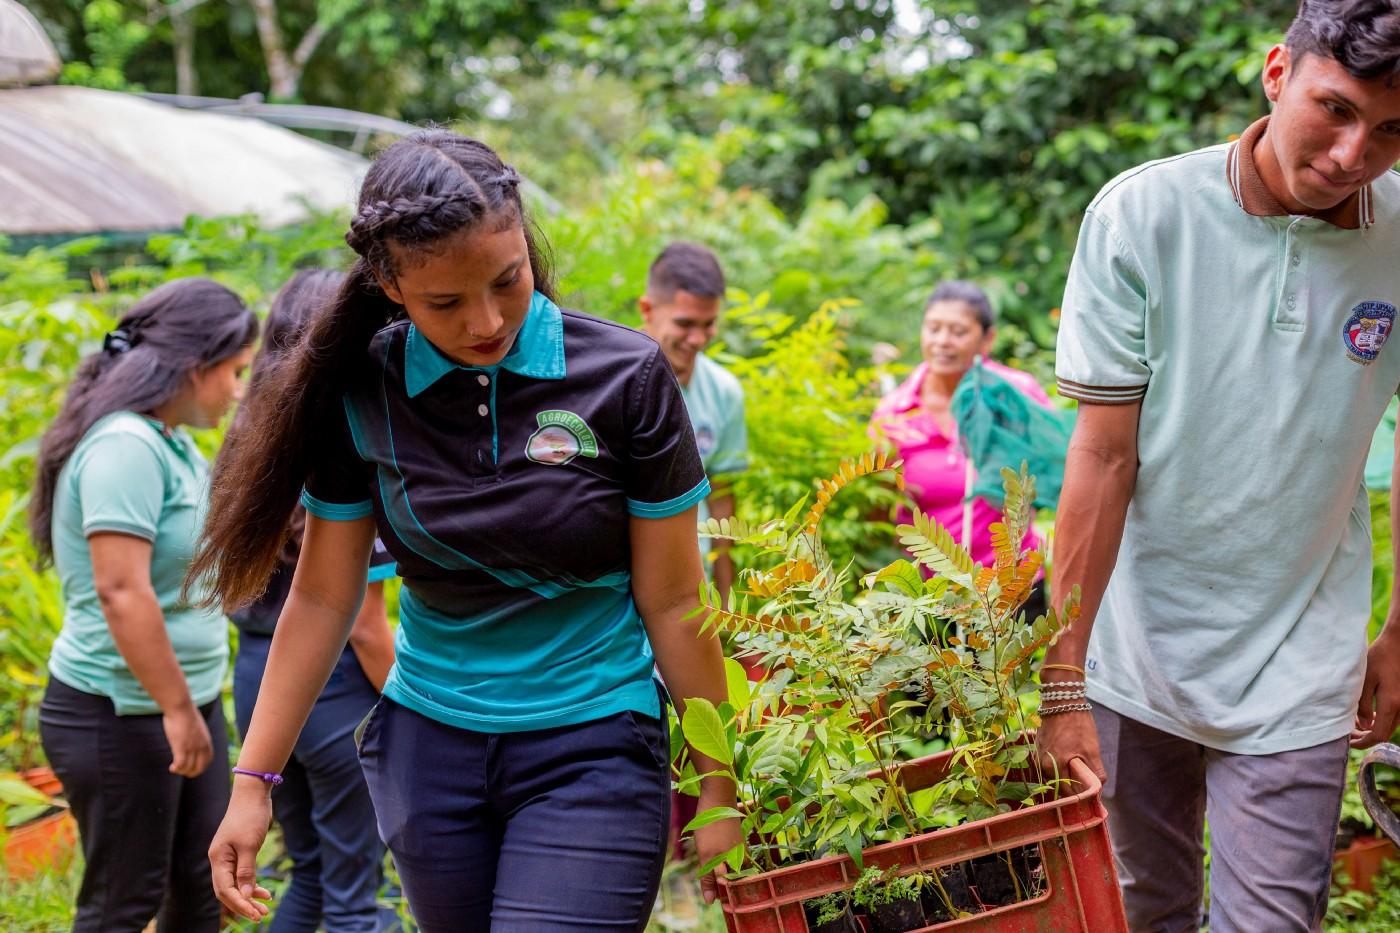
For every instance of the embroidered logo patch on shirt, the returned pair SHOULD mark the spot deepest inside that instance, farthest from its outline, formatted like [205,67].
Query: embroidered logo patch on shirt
[705,440]
[1366,330]
[562,436]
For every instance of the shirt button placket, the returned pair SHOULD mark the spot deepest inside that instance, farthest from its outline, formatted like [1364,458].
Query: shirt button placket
[483,380]
[486,454]
[1291,315]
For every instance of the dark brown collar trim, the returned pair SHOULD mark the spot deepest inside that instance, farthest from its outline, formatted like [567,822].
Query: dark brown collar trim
[1255,198]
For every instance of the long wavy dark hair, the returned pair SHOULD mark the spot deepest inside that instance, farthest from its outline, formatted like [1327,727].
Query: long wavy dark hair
[421,190]
[181,327]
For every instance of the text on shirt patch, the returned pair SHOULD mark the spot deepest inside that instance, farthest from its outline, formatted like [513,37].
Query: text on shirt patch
[562,436]
[1366,330]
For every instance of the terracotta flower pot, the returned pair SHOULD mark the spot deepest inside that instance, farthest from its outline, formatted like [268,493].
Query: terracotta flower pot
[43,780]
[1362,860]
[44,844]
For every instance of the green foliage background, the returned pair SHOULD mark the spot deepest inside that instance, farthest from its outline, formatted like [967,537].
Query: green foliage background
[976,129]
[841,156]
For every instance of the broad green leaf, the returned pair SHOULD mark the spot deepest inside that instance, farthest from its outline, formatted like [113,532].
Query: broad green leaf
[737,680]
[734,857]
[901,577]
[15,791]
[705,731]
[712,815]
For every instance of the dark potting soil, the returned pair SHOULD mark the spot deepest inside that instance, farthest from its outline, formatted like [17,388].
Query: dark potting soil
[993,881]
[846,923]
[954,881]
[897,917]
[985,883]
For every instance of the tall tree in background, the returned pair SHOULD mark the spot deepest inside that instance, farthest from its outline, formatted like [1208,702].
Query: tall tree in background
[383,56]
[284,69]
[986,126]
[991,123]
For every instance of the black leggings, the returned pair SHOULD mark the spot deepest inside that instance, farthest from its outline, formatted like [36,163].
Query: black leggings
[145,832]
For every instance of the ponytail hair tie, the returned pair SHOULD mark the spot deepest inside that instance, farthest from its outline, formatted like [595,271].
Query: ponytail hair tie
[118,341]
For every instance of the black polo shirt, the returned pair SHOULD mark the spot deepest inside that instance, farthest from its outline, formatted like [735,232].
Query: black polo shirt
[504,495]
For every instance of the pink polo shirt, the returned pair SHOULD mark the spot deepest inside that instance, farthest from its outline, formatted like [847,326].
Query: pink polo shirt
[935,469]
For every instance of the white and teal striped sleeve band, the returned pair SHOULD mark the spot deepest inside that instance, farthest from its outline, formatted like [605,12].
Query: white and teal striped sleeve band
[671,506]
[336,511]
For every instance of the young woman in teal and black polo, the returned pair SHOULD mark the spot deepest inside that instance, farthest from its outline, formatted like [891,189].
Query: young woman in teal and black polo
[131,719]
[534,474]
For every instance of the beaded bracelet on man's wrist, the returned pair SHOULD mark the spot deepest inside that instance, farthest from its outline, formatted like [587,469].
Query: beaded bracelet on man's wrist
[1065,708]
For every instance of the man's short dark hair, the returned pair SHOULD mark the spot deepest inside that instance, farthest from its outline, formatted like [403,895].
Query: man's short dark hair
[685,267]
[1363,36]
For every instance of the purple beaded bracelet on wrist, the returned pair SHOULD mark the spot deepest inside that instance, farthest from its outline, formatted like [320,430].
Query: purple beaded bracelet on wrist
[267,777]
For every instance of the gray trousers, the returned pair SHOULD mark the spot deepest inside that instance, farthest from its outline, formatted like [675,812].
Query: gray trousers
[1273,827]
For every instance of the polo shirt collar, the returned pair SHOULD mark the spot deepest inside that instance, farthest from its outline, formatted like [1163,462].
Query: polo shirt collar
[1250,192]
[905,396]
[538,352]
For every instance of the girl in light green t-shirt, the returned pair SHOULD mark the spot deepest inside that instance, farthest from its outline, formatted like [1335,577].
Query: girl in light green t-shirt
[131,719]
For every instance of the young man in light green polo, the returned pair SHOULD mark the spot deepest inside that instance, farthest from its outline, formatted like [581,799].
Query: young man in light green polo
[680,310]
[1225,330]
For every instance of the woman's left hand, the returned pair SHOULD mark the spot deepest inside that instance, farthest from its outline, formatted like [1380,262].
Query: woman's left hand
[714,840]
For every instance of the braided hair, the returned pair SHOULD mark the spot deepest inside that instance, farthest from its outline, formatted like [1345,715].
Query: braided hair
[420,191]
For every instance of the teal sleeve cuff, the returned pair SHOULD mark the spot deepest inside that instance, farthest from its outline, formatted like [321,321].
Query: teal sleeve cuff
[135,529]
[671,506]
[336,511]
[382,572]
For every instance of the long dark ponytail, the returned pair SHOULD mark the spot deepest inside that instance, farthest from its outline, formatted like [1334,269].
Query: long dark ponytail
[293,308]
[421,190]
[181,327]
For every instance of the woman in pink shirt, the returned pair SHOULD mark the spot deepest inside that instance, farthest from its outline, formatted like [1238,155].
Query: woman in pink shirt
[917,420]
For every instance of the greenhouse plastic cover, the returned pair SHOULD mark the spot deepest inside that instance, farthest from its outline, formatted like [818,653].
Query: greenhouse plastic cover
[26,54]
[80,160]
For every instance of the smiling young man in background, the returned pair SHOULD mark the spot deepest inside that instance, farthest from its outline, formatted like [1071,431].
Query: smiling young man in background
[1224,330]
[680,310]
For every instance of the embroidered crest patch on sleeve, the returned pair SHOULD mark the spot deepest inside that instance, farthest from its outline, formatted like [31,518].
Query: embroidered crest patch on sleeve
[1366,330]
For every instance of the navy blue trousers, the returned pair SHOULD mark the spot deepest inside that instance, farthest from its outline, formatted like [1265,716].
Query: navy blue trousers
[322,804]
[555,829]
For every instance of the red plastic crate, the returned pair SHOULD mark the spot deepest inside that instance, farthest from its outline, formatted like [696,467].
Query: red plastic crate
[1081,885]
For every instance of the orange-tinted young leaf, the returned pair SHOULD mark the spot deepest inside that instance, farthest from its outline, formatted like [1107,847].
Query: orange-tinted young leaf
[1004,551]
[1022,579]
[848,472]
